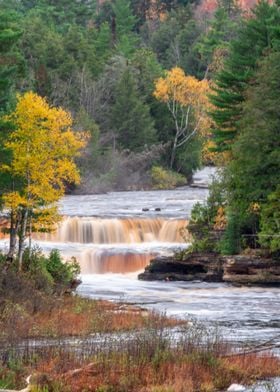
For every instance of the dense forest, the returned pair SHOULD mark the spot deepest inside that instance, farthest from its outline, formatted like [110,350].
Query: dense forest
[100,61]
[158,89]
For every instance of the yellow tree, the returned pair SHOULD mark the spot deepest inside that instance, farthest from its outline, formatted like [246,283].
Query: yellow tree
[43,149]
[186,99]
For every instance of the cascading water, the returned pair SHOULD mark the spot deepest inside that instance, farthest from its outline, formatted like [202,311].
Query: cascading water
[116,245]
[87,230]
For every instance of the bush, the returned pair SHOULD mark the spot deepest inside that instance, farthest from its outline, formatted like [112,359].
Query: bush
[269,236]
[50,274]
[230,244]
[208,220]
[63,273]
[166,179]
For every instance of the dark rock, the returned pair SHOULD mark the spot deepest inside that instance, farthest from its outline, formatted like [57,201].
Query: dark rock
[211,267]
[251,270]
[157,209]
[145,209]
[194,267]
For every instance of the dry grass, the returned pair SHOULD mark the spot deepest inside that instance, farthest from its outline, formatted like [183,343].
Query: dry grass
[148,358]
[75,316]
[170,374]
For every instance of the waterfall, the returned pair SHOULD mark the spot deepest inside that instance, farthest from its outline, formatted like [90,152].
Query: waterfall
[98,261]
[87,230]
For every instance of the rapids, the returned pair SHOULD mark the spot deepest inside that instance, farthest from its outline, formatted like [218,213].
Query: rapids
[115,235]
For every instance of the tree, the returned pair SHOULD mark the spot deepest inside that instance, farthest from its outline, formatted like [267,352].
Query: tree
[43,149]
[130,116]
[256,34]
[186,99]
[220,32]
[125,21]
[10,57]
[269,235]
[254,171]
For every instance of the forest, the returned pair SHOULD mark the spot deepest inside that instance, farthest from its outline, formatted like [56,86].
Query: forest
[157,89]
[100,61]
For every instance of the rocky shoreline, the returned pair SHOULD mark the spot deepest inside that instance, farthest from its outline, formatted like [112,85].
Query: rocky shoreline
[212,267]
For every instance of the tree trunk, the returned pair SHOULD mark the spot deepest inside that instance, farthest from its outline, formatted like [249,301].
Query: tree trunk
[173,153]
[13,237]
[22,238]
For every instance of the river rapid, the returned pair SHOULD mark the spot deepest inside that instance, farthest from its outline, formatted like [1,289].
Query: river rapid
[116,234]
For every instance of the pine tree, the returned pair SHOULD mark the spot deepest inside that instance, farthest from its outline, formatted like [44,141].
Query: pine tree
[10,58]
[130,118]
[125,22]
[254,172]
[255,36]
[11,67]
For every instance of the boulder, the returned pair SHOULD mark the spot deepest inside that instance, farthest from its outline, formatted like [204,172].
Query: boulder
[193,267]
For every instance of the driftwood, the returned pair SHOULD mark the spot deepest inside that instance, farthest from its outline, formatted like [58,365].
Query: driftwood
[268,345]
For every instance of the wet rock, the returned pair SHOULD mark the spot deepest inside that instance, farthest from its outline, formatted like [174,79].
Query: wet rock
[251,270]
[192,267]
[211,267]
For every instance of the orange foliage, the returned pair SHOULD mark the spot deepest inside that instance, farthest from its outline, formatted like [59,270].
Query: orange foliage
[176,374]
[76,316]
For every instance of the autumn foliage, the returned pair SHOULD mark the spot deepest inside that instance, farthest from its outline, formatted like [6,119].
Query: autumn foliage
[186,98]
[43,148]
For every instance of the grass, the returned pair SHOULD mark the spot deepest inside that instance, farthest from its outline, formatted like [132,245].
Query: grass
[151,359]
[72,344]
[76,316]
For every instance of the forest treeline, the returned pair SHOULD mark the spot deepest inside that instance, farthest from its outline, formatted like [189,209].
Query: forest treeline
[100,60]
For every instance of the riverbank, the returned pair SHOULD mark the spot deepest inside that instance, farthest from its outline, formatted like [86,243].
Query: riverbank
[150,359]
[212,267]
[71,344]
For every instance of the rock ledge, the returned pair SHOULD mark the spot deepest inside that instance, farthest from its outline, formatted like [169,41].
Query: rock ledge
[211,267]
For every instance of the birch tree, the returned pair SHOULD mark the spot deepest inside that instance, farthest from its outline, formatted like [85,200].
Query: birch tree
[186,100]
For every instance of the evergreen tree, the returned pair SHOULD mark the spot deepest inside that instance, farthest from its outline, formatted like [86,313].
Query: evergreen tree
[220,32]
[255,36]
[269,235]
[10,57]
[125,22]
[11,68]
[130,117]
[254,172]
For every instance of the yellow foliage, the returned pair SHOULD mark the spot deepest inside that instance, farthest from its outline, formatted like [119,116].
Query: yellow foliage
[44,148]
[13,200]
[166,179]
[187,99]
[220,219]
[254,208]
[182,89]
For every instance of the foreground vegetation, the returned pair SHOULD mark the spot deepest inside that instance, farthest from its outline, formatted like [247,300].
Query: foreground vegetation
[68,343]
[141,361]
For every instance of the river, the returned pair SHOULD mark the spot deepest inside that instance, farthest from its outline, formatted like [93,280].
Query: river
[116,234]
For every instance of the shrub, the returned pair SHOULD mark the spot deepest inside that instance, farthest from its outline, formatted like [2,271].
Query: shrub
[269,236]
[230,244]
[63,273]
[166,179]
[50,274]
